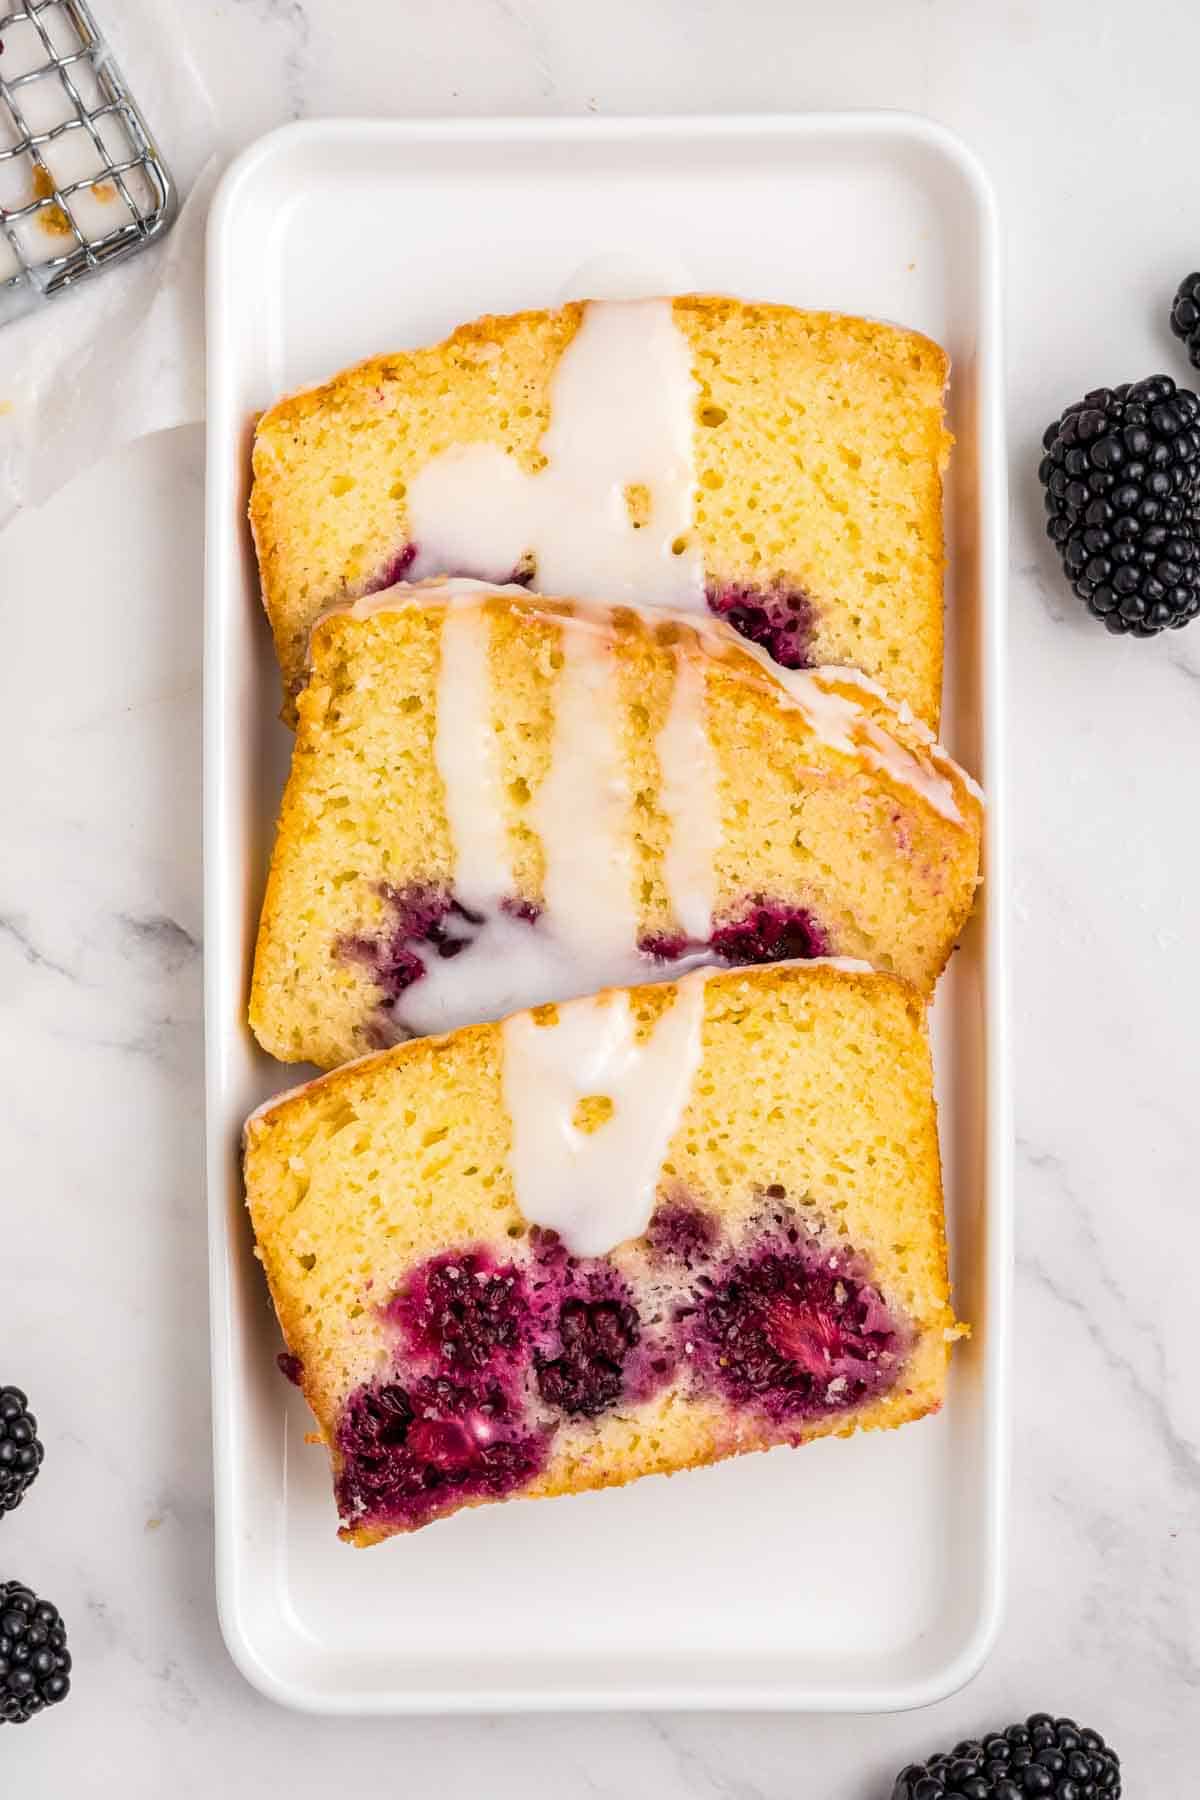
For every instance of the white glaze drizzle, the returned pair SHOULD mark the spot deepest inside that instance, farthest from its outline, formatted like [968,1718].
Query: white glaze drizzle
[582,807]
[586,936]
[596,1188]
[464,750]
[690,796]
[844,725]
[833,717]
[621,417]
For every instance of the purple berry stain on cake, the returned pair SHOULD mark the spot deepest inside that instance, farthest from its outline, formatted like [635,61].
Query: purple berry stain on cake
[681,1233]
[795,1331]
[770,931]
[291,1366]
[423,923]
[781,619]
[463,1312]
[528,911]
[395,569]
[419,915]
[767,931]
[452,1422]
[489,1359]
[408,1453]
[661,947]
[492,1358]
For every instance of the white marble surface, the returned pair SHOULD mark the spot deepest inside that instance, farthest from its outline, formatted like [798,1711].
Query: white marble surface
[1085,114]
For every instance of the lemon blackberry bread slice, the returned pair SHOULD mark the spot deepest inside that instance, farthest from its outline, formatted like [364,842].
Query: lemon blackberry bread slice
[619,1237]
[778,467]
[497,800]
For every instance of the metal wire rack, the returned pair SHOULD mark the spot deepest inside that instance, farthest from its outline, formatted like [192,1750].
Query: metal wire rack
[81,183]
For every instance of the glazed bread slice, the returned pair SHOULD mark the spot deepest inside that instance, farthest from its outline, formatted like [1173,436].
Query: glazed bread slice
[812,465]
[754,1256]
[497,800]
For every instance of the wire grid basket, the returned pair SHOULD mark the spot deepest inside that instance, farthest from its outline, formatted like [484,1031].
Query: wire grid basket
[81,183]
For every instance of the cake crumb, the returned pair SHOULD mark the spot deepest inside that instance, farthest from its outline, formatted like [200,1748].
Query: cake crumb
[52,219]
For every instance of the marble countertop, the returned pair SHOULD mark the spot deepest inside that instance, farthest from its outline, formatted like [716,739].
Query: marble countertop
[1084,114]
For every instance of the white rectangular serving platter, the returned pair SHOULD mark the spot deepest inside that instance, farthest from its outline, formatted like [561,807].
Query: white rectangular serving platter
[856,1575]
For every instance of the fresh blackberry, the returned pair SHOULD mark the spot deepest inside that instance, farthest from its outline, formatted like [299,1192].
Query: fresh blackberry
[20,1450]
[1185,316]
[1047,1757]
[35,1664]
[1121,472]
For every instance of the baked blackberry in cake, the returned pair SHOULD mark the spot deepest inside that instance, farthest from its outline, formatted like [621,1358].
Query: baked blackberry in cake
[497,800]
[627,1235]
[781,468]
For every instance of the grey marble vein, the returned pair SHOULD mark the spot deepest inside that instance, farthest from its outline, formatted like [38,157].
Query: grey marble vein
[293,17]
[163,938]
[16,930]
[701,1775]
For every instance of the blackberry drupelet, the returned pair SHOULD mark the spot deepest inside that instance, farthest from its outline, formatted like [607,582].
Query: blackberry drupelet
[20,1449]
[35,1664]
[589,1374]
[1051,1757]
[1185,316]
[1121,472]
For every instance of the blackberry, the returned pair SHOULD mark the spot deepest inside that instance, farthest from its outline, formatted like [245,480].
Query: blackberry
[795,1333]
[781,619]
[463,1309]
[418,914]
[589,1375]
[768,932]
[1121,473]
[1185,316]
[20,1449]
[35,1664]
[1044,1756]
[405,1451]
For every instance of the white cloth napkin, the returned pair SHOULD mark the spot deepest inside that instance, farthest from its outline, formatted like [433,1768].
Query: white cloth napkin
[122,354]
